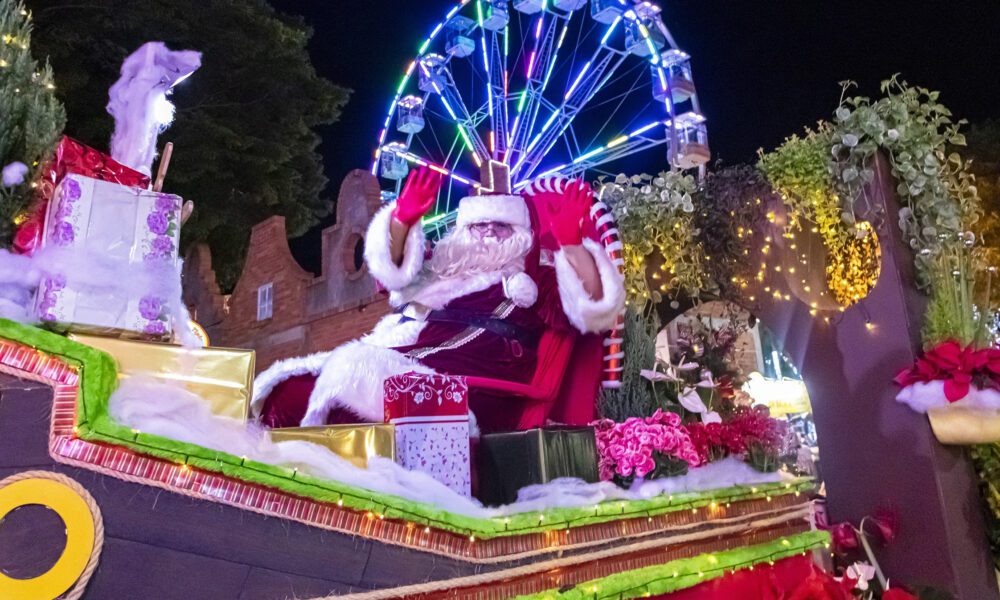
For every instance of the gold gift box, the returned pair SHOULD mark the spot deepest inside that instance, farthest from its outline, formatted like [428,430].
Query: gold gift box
[222,376]
[356,443]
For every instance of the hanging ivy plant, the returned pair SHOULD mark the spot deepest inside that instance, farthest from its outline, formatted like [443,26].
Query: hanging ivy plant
[801,172]
[730,222]
[655,217]
[915,130]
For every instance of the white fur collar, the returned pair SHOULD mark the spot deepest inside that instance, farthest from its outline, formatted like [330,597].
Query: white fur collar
[436,293]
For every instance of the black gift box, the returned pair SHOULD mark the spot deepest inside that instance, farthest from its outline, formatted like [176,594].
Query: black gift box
[508,462]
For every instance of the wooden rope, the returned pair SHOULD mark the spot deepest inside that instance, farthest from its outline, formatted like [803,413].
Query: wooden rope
[559,563]
[75,592]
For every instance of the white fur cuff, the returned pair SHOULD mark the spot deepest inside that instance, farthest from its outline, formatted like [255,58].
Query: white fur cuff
[378,253]
[586,314]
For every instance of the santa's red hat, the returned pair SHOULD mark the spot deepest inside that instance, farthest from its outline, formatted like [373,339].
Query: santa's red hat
[511,210]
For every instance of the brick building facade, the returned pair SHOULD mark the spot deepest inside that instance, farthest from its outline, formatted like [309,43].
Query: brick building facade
[279,309]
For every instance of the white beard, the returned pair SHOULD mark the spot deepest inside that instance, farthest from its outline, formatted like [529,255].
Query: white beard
[460,254]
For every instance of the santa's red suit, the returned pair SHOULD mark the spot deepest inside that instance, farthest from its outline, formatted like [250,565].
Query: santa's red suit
[465,311]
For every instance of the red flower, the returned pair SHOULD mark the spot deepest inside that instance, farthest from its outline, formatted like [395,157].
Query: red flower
[820,586]
[953,364]
[897,594]
[886,525]
[844,537]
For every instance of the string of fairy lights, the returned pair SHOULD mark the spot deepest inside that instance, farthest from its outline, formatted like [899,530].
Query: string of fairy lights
[375,510]
[850,271]
[684,580]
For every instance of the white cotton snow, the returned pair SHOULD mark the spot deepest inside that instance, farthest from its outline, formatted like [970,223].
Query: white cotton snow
[87,269]
[173,412]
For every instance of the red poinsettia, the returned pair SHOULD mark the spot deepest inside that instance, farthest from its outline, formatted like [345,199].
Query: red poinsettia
[955,365]
[821,586]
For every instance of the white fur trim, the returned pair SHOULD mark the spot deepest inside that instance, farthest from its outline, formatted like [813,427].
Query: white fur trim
[265,383]
[378,254]
[353,378]
[586,314]
[521,288]
[504,209]
[389,332]
[436,293]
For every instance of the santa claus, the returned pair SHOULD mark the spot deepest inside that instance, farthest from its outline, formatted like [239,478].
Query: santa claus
[476,307]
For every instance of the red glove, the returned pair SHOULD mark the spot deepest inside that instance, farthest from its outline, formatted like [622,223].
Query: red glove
[417,197]
[566,213]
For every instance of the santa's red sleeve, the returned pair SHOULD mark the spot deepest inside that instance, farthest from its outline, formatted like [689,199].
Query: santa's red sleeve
[378,255]
[583,312]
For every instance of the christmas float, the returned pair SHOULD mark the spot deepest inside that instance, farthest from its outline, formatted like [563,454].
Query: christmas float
[555,407]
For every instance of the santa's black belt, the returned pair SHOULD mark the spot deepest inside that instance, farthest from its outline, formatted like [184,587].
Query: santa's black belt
[471,319]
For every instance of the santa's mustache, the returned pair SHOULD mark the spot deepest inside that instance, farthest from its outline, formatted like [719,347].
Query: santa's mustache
[461,253]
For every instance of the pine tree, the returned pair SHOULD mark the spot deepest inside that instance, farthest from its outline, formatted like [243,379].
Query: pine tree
[31,118]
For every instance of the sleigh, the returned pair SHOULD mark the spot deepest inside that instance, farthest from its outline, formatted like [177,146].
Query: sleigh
[144,512]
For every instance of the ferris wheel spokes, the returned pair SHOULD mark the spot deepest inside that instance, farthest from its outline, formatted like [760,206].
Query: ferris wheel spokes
[543,52]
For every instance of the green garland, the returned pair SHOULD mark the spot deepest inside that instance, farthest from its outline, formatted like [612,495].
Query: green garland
[686,572]
[98,378]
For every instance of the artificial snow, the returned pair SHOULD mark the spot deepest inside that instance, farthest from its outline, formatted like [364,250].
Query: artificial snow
[173,412]
[87,269]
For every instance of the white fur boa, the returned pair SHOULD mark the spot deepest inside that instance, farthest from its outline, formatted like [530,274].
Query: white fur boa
[586,314]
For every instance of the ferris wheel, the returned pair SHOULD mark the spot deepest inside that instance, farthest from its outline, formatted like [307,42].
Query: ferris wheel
[504,91]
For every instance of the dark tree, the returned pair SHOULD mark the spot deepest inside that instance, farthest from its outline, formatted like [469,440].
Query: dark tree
[244,135]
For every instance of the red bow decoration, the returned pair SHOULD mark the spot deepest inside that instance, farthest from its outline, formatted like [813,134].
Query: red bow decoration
[956,366]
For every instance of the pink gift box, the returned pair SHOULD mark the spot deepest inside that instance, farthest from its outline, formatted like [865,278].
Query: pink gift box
[431,415]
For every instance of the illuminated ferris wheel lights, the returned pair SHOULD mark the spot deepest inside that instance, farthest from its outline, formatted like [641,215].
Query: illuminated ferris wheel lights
[611,30]
[578,79]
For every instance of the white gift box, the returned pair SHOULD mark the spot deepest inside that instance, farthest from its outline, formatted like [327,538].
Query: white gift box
[114,259]
[431,415]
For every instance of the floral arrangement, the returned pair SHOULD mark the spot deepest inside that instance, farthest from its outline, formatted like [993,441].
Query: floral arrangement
[750,435]
[962,372]
[656,446]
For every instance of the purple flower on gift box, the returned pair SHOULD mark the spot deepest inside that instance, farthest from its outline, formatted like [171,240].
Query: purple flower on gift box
[65,210]
[161,246]
[157,222]
[150,307]
[166,203]
[71,190]
[63,233]
[155,328]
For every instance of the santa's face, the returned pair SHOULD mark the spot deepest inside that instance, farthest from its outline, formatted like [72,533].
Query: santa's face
[491,231]
[481,248]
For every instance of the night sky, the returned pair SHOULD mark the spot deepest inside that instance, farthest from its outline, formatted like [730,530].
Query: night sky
[764,69]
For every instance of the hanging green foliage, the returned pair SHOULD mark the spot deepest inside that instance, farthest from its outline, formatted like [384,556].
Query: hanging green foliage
[935,183]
